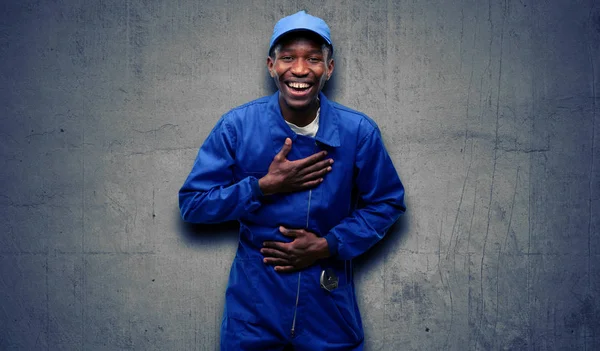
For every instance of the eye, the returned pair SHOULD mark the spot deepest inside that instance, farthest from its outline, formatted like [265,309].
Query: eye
[314,60]
[286,58]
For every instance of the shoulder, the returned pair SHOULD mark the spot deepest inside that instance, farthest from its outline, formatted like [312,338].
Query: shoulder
[247,108]
[245,114]
[258,103]
[356,120]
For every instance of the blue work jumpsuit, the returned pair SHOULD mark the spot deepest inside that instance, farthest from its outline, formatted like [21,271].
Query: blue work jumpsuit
[352,209]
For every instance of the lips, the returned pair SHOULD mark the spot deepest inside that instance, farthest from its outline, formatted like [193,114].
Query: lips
[298,89]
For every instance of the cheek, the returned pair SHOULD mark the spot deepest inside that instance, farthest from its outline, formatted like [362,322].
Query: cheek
[278,70]
[273,74]
[324,78]
[276,81]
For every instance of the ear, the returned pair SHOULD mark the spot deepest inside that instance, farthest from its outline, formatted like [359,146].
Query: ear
[270,64]
[330,67]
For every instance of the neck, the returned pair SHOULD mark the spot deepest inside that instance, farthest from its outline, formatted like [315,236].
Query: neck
[299,117]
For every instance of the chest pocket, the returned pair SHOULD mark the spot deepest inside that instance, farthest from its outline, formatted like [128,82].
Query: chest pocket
[252,161]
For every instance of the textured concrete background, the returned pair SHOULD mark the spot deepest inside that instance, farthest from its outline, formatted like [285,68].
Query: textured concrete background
[490,110]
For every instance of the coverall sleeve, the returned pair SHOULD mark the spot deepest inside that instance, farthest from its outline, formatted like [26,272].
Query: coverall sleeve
[210,193]
[381,201]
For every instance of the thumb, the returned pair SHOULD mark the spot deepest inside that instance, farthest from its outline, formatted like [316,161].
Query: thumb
[287,146]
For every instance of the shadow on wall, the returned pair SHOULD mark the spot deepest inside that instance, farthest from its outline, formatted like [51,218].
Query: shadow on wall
[203,234]
[389,245]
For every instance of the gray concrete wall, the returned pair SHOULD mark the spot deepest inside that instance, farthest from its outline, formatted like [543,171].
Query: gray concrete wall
[490,110]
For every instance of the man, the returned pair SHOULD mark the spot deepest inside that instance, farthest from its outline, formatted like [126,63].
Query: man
[312,187]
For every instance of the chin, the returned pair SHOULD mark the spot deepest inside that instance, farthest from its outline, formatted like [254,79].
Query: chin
[299,104]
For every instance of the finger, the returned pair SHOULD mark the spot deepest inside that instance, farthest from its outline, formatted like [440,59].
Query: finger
[273,253]
[316,167]
[288,232]
[311,160]
[310,184]
[315,175]
[292,233]
[284,269]
[276,261]
[276,245]
[285,149]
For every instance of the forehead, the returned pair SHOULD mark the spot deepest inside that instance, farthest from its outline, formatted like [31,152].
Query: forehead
[307,40]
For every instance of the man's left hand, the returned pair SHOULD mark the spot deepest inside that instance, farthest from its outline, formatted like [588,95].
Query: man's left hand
[303,251]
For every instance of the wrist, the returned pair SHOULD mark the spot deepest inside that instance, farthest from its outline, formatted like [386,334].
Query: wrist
[265,186]
[322,248]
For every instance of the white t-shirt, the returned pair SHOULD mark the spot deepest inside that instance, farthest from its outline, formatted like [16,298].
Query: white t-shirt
[309,130]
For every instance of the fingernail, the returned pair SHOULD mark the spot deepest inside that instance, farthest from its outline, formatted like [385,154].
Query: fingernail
[328,169]
[331,161]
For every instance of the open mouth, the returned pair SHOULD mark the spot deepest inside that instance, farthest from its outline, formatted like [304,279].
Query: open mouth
[298,87]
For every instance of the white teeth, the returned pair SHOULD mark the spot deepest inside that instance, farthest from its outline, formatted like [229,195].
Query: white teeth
[297,85]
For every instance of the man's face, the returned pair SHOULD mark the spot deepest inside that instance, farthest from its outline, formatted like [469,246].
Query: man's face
[300,71]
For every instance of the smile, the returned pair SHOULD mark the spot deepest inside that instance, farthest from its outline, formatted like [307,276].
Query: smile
[298,85]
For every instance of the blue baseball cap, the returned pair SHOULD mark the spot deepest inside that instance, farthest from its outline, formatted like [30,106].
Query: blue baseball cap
[298,22]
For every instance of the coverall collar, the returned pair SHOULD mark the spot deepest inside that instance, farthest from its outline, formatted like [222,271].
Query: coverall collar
[327,134]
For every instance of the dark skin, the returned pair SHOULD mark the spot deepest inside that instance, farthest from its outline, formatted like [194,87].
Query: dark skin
[303,251]
[288,176]
[300,60]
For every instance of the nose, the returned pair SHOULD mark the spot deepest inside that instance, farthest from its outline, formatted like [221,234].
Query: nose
[299,68]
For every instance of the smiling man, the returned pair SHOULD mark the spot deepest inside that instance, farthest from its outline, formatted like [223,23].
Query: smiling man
[312,187]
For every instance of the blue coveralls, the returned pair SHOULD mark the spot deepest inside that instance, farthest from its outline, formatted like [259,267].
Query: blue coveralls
[353,208]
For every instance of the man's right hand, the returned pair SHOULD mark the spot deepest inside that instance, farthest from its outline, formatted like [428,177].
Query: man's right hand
[286,176]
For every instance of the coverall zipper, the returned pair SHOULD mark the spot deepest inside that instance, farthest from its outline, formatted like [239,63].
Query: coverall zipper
[293,331]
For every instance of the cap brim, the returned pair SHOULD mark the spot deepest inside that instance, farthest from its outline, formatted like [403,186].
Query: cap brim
[297,30]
